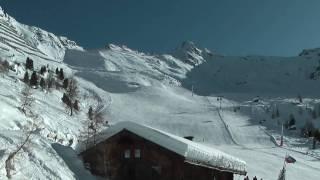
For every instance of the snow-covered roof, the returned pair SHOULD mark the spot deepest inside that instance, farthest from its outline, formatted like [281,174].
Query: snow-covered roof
[193,152]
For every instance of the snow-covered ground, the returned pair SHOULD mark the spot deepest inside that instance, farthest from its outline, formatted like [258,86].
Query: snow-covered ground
[156,90]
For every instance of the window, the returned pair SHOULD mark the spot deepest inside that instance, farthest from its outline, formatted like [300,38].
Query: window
[127,153]
[137,153]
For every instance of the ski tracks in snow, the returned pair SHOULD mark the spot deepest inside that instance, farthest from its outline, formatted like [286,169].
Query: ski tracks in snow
[226,126]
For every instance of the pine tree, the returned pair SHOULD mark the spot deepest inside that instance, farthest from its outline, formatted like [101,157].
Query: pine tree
[76,105]
[65,83]
[26,77]
[90,113]
[42,83]
[34,79]
[43,70]
[29,64]
[61,74]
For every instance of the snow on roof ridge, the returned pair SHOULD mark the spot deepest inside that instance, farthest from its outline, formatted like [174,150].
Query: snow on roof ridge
[193,152]
[208,155]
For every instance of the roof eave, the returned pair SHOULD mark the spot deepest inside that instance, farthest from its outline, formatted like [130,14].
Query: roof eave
[243,173]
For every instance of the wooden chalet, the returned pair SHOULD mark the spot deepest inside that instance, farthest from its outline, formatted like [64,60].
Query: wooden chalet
[129,151]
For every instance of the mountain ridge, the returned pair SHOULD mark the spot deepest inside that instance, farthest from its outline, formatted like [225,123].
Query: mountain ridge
[225,102]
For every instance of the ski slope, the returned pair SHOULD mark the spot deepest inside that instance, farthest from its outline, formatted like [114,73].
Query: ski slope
[156,90]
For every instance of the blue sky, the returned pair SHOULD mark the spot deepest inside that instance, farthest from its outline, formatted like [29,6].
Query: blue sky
[232,27]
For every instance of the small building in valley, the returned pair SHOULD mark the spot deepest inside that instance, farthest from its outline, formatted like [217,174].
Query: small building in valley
[130,151]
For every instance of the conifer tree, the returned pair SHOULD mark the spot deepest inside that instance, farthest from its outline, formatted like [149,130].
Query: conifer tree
[90,113]
[34,79]
[26,77]
[76,105]
[61,74]
[42,83]
[65,83]
[65,99]
[43,70]
[29,64]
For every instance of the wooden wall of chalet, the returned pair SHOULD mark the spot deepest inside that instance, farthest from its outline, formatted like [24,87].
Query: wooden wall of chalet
[156,163]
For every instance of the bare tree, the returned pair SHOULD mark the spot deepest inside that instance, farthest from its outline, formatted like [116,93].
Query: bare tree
[26,108]
[96,122]
[9,163]
[27,100]
[50,80]
[71,94]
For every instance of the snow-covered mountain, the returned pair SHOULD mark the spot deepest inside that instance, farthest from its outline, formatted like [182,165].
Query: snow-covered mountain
[18,39]
[232,107]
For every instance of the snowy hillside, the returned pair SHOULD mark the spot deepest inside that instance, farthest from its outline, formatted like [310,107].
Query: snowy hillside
[233,109]
[256,76]
[17,39]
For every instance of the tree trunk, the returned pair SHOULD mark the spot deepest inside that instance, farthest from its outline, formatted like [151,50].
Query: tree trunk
[71,110]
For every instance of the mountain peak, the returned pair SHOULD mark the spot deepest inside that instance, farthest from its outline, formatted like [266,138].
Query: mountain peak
[1,11]
[189,53]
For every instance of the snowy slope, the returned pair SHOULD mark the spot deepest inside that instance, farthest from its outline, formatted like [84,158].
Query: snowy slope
[17,39]
[256,75]
[155,90]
